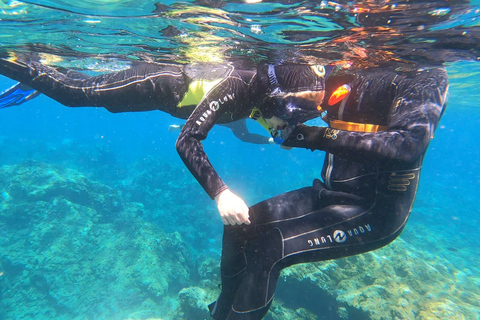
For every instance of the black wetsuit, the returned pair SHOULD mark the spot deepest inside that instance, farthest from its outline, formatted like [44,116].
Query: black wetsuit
[172,88]
[370,178]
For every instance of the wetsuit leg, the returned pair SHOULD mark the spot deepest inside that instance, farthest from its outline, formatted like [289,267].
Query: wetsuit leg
[298,227]
[232,267]
[235,239]
[145,86]
[240,241]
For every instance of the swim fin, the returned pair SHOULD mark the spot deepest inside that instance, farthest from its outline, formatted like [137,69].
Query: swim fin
[16,95]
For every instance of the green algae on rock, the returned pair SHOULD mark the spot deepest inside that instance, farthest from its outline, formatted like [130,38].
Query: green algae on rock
[71,248]
[398,281]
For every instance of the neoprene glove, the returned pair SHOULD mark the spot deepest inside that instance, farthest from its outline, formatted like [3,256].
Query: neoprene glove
[306,137]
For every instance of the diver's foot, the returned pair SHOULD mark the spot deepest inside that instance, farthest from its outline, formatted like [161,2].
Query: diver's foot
[17,94]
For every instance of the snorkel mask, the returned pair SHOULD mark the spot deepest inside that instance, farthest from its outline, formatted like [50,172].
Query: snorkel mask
[296,95]
[297,92]
[300,108]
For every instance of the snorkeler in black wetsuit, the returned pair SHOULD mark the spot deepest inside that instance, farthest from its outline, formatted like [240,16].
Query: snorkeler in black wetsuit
[380,124]
[172,88]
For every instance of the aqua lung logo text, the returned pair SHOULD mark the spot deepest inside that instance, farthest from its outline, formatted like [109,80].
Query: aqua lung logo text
[359,230]
[319,241]
[340,236]
[214,106]
[204,117]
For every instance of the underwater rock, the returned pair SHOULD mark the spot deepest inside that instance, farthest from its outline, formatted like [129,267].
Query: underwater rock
[71,247]
[279,312]
[33,182]
[209,270]
[398,281]
[74,248]
[194,303]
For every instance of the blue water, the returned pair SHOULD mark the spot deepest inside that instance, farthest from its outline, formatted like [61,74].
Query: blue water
[74,253]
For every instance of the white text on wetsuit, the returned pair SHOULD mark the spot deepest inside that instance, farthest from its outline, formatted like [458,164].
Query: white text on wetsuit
[340,236]
[214,106]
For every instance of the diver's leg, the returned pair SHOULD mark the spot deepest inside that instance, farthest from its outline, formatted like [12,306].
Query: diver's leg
[29,71]
[257,288]
[285,245]
[347,225]
[232,268]
[261,249]
[145,86]
[235,239]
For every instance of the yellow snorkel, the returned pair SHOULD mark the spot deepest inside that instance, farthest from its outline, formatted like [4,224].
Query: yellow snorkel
[257,115]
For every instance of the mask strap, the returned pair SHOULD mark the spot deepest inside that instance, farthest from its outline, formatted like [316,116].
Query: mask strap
[272,76]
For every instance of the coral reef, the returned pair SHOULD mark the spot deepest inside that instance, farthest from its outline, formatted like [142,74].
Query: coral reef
[396,282]
[194,303]
[75,248]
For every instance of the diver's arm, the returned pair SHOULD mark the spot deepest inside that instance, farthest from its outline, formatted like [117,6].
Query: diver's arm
[221,99]
[240,130]
[400,145]
[414,116]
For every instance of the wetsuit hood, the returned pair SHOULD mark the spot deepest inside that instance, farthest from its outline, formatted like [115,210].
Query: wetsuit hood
[298,78]
[296,92]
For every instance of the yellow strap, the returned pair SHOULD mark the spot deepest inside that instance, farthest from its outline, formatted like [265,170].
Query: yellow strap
[357,127]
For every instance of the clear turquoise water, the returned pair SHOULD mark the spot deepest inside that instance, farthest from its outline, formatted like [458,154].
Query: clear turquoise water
[100,220]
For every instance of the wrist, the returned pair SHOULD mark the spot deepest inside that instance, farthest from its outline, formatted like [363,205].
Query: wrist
[223,191]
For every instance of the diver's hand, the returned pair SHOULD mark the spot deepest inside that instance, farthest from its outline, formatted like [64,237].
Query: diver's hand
[284,134]
[287,131]
[306,137]
[232,208]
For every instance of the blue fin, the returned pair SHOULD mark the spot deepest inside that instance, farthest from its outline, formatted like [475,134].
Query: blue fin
[17,94]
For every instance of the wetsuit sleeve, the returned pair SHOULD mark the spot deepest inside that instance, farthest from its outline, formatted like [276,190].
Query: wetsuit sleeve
[415,113]
[227,96]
